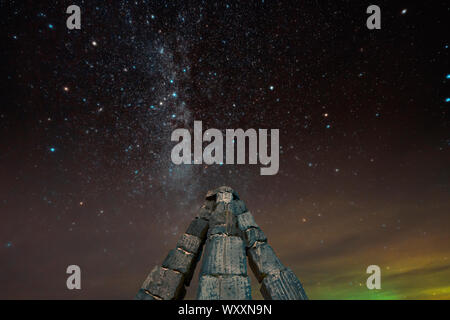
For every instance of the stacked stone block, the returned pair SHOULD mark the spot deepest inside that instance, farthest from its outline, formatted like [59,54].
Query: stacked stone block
[231,235]
[278,282]
[224,270]
[168,281]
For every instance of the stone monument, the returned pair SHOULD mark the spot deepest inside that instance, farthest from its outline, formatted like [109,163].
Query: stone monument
[228,234]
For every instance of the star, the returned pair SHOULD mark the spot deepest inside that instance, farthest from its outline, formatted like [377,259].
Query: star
[121,101]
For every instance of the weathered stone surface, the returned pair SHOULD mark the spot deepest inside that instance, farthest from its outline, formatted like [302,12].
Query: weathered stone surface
[179,260]
[262,260]
[218,217]
[224,288]
[211,194]
[198,256]
[282,285]
[225,197]
[246,221]
[164,283]
[222,216]
[206,209]
[189,243]
[204,213]
[198,228]
[253,235]
[209,205]
[237,207]
[217,229]
[229,230]
[224,255]
[224,222]
[144,295]
[220,207]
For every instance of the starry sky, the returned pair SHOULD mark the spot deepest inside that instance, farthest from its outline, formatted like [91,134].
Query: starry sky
[86,118]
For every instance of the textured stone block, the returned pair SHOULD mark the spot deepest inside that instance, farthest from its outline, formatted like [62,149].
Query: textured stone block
[262,260]
[179,260]
[217,229]
[224,288]
[218,217]
[212,193]
[253,235]
[189,243]
[224,255]
[226,197]
[144,295]
[237,207]
[230,229]
[222,217]
[245,221]
[209,205]
[220,207]
[198,228]
[164,283]
[282,285]
[204,213]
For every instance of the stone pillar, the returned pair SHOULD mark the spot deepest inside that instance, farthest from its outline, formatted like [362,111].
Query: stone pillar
[167,282]
[231,234]
[278,282]
[224,269]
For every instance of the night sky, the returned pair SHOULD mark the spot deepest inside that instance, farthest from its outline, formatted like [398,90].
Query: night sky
[86,117]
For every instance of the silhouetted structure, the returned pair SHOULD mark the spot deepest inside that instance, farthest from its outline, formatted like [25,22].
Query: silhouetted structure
[230,234]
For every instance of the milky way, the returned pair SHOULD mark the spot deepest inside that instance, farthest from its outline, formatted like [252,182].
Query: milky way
[86,119]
